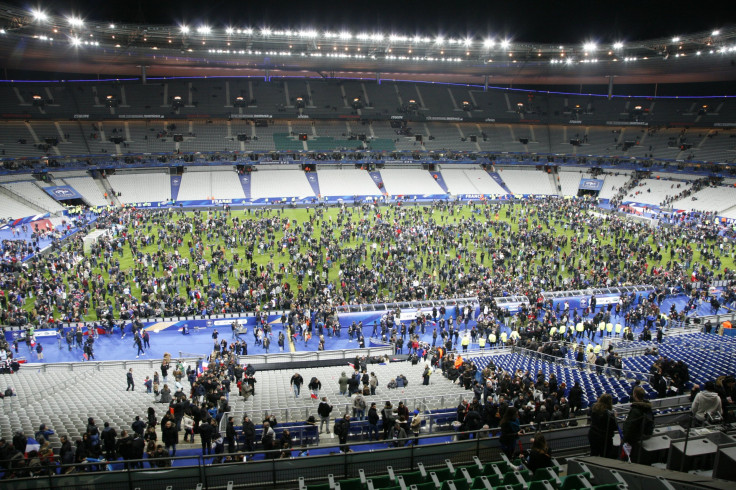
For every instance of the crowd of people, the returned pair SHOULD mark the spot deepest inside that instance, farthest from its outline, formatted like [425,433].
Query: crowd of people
[218,262]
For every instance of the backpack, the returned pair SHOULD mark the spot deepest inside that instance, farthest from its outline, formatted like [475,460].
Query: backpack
[361,403]
[337,428]
[648,424]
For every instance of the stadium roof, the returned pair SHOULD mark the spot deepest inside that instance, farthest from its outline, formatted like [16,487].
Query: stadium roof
[67,43]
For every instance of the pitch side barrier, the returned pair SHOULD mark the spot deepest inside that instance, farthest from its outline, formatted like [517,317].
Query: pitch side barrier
[604,296]
[406,311]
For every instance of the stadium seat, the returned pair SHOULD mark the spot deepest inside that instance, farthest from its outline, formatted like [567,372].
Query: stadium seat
[460,484]
[546,474]
[351,484]
[381,481]
[481,482]
[575,482]
[541,485]
[412,478]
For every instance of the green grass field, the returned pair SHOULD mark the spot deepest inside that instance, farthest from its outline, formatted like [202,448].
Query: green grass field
[127,262]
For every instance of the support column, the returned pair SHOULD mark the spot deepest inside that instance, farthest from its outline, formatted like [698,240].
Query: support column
[610,86]
[485,83]
[378,78]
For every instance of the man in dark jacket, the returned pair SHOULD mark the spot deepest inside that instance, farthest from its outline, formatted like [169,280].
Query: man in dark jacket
[230,435]
[129,378]
[108,441]
[137,447]
[125,448]
[324,410]
[373,419]
[170,437]
[575,398]
[342,430]
[249,434]
[138,426]
[206,431]
[296,384]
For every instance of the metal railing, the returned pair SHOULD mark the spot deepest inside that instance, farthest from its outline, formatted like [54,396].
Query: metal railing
[325,355]
[627,374]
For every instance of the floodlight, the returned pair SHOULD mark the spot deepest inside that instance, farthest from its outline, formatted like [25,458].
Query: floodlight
[184,29]
[675,39]
[569,61]
[377,37]
[265,31]
[488,43]
[589,46]
[229,30]
[715,33]
[345,35]
[505,43]
[468,41]
[204,29]
[75,41]
[618,45]
[75,21]
[310,33]
[439,40]
[39,15]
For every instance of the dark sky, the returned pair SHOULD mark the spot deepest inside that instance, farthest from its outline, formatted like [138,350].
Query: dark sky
[522,20]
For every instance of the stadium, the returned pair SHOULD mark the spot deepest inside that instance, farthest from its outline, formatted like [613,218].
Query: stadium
[242,255]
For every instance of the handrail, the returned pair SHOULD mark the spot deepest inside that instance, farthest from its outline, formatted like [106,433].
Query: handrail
[627,373]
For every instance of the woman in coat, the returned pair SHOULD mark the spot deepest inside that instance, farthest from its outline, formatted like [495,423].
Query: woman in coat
[165,395]
[602,427]
[510,431]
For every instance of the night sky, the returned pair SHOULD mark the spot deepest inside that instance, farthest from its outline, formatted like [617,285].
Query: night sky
[552,21]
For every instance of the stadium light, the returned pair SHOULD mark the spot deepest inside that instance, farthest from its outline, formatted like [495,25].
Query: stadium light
[676,39]
[75,41]
[715,33]
[590,46]
[488,43]
[310,33]
[468,41]
[439,40]
[39,15]
[505,44]
[265,31]
[204,30]
[184,29]
[75,21]
[229,31]
[618,45]
[345,35]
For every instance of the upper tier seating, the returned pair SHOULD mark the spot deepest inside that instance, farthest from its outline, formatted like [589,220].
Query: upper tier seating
[280,183]
[528,181]
[470,181]
[401,182]
[346,182]
[141,187]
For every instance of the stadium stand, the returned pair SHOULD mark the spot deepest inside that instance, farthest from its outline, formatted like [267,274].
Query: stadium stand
[292,142]
[202,183]
[409,182]
[135,187]
[470,181]
[528,181]
[273,182]
[346,182]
